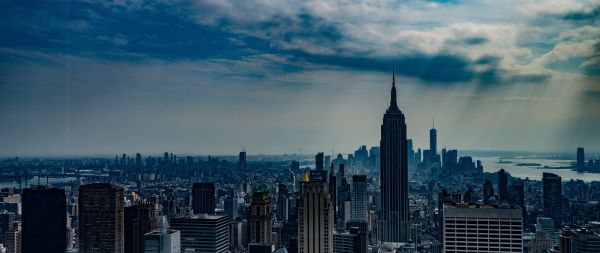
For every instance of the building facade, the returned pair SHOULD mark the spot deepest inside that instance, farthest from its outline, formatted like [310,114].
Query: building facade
[394,216]
[482,228]
[101,218]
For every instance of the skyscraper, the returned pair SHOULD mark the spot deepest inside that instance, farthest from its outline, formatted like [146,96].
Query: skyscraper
[319,161]
[315,219]
[552,197]
[344,210]
[203,198]
[580,165]
[242,160]
[139,220]
[44,220]
[282,203]
[360,198]
[100,218]
[488,192]
[502,186]
[433,144]
[332,189]
[260,219]
[393,176]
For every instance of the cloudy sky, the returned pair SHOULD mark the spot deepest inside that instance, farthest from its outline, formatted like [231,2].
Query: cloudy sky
[277,76]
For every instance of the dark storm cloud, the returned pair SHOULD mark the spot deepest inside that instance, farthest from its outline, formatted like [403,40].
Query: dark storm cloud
[158,30]
[579,16]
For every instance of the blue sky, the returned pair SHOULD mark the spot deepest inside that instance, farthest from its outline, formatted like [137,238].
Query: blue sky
[208,77]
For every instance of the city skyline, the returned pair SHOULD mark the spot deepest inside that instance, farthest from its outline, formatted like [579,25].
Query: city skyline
[82,78]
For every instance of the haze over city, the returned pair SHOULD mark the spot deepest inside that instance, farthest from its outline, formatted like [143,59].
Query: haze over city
[274,77]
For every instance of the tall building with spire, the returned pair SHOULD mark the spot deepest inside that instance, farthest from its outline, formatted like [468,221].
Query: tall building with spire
[393,174]
[433,144]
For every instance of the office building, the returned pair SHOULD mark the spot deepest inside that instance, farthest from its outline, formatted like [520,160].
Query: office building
[44,220]
[332,189]
[319,161]
[139,220]
[202,233]
[315,219]
[552,198]
[547,225]
[100,218]
[540,243]
[580,164]
[394,215]
[488,193]
[585,241]
[162,241]
[203,198]
[565,240]
[433,145]
[502,187]
[242,160]
[360,198]
[482,228]
[282,212]
[350,242]
[260,219]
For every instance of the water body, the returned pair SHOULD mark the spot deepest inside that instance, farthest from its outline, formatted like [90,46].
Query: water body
[533,168]
[34,181]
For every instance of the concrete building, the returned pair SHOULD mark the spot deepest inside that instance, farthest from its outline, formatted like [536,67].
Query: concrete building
[482,228]
[162,241]
[203,233]
[315,218]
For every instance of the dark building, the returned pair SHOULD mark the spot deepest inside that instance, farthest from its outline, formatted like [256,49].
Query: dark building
[333,190]
[260,219]
[552,198]
[394,214]
[565,240]
[282,212]
[585,241]
[139,220]
[502,187]
[516,194]
[319,161]
[44,220]
[344,211]
[6,224]
[295,166]
[432,145]
[203,198]
[100,218]
[488,192]
[242,160]
[580,165]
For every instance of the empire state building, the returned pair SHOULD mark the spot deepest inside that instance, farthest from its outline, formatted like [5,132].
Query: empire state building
[393,175]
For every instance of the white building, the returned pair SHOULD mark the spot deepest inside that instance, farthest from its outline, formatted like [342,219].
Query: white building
[162,241]
[482,228]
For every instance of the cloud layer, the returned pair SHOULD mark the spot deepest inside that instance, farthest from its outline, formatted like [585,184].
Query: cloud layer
[514,60]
